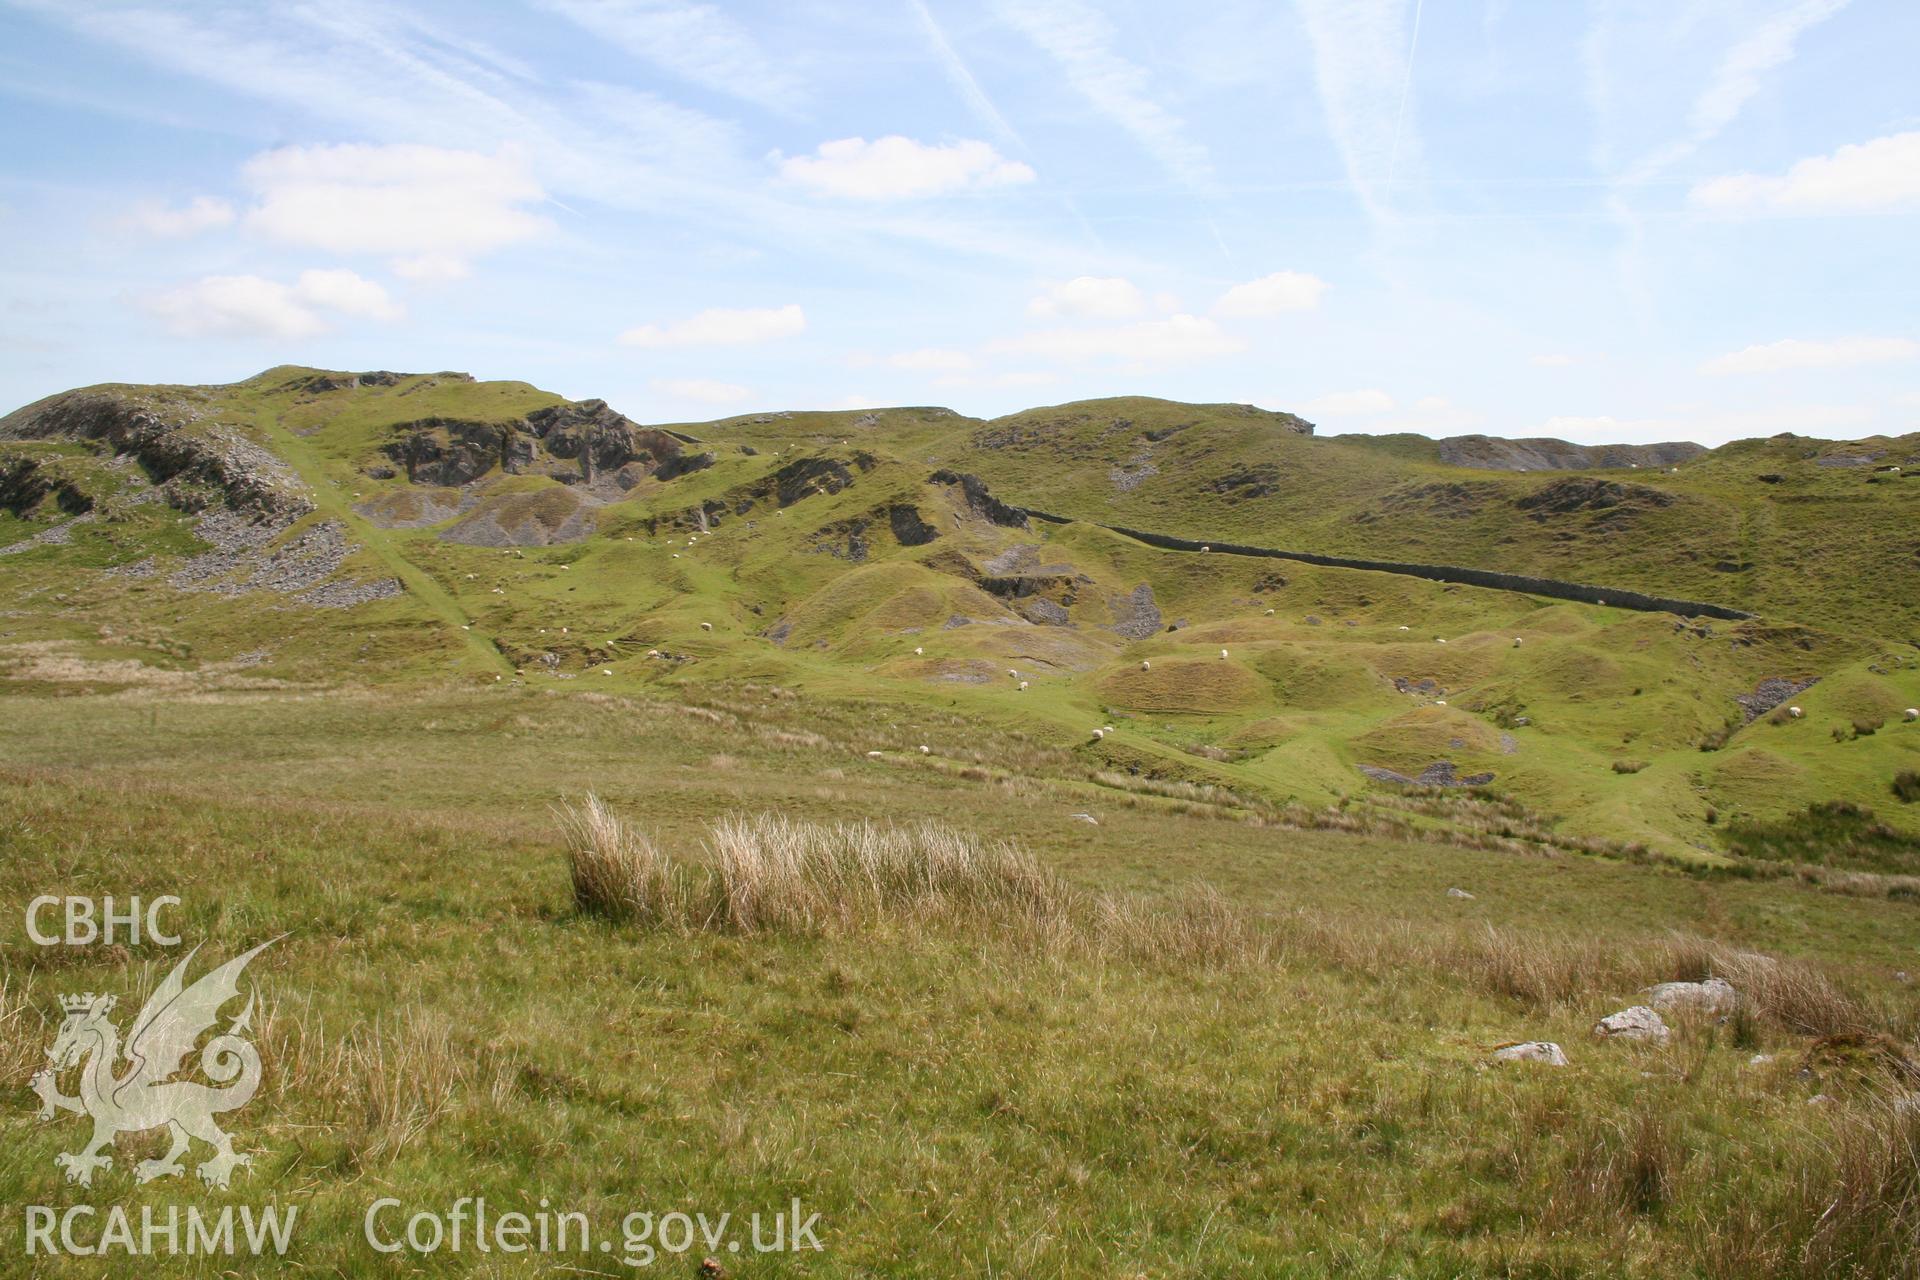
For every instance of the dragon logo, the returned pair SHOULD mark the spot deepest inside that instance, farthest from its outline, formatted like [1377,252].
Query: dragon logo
[142,1095]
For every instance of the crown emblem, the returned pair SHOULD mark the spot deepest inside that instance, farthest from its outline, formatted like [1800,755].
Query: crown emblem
[87,1001]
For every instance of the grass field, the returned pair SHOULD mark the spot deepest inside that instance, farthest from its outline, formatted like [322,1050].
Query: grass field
[1288,1078]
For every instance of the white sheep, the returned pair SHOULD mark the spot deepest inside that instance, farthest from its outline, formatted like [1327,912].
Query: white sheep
[1911,714]
[706,626]
[1206,548]
[1108,728]
[1099,734]
[1269,613]
[1440,702]
[1023,684]
[653,653]
[606,671]
[1406,628]
[1795,712]
[874,755]
[1223,655]
[918,651]
[1439,640]
[1012,674]
[925,749]
[1516,642]
[1145,665]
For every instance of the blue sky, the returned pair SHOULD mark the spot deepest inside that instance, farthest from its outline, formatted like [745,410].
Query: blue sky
[1604,221]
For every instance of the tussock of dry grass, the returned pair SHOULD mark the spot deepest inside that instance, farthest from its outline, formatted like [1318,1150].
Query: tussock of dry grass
[617,873]
[767,873]
[387,1082]
[21,1033]
[1844,1201]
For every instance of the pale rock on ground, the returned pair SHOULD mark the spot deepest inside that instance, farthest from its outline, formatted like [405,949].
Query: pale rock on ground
[1544,1051]
[1714,996]
[1636,1023]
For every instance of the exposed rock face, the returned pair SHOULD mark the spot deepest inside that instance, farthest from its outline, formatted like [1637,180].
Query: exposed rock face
[193,461]
[981,503]
[1565,497]
[1714,996]
[605,442]
[585,443]
[1545,1052]
[1246,482]
[1637,1023]
[26,482]
[1490,454]
[804,477]
[909,529]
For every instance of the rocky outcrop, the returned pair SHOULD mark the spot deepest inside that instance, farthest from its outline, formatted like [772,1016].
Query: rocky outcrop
[585,443]
[1589,493]
[974,494]
[909,528]
[1487,453]
[194,461]
[25,483]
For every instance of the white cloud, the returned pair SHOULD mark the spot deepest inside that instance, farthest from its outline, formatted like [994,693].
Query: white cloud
[432,268]
[1090,297]
[202,213]
[431,207]
[1553,360]
[1362,65]
[1349,403]
[1799,353]
[1175,340]
[255,307]
[701,390]
[932,359]
[897,168]
[1766,47]
[343,291]
[1860,177]
[721,327]
[963,80]
[1080,40]
[1271,295]
[697,42]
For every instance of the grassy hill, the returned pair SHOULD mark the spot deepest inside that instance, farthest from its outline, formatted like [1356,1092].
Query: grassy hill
[378,527]
[1018,895]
